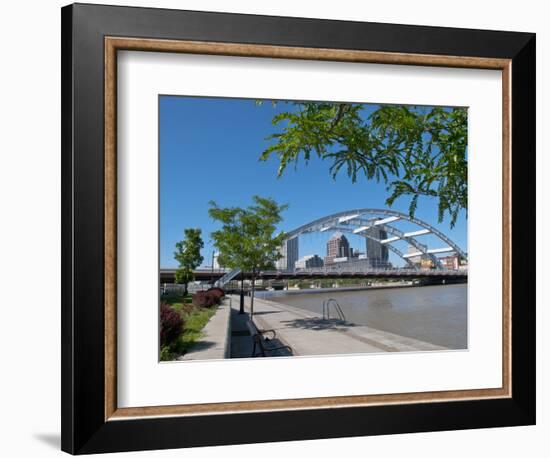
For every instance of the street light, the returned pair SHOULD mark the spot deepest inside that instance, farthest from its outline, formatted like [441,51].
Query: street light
[241,304]
[212,270]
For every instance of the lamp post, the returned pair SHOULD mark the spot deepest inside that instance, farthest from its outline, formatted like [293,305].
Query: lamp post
[212,270]
[241,304]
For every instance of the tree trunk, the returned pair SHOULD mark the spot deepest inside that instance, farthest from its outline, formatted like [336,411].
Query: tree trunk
[252,294]
[185,289]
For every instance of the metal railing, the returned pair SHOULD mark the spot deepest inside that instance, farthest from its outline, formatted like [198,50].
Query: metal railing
[337,308]
[176,288]
[227,277]
[326,271]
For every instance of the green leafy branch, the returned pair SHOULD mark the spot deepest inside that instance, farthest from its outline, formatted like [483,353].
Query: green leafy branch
[416,151]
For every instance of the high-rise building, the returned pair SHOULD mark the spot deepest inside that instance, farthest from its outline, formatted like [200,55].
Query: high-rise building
[377,253]
[215,261]
[451,262]
[337,247]
[427,263]
[418,258]
[289,253]
[309,261]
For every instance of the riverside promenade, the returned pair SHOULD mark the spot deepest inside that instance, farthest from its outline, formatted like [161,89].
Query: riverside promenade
[309,334]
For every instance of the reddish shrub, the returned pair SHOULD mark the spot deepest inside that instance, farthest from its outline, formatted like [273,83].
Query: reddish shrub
[171,324]
[217,291]
[208,298]
[203,299]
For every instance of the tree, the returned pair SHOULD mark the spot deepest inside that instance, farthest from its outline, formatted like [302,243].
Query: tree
[246,239]
[416,151]
[188,255]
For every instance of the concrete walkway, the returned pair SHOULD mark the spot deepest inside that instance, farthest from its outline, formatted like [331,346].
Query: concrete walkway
[241,341]
[308,334]
[216,343]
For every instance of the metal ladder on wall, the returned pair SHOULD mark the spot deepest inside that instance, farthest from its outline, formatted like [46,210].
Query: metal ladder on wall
[337,308]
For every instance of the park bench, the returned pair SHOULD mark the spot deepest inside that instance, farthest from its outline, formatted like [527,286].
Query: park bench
[261,341]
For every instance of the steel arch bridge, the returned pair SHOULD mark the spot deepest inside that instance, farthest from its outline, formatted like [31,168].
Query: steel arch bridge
[359,221]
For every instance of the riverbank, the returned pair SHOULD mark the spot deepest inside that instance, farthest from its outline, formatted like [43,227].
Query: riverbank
[267,294]
[307,333]
[435,314]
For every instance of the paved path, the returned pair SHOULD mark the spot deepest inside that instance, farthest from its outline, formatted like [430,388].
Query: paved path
[217,338]
[308,334]
[241,341]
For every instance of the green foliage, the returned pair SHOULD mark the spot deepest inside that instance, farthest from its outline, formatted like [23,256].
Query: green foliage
[247,237]
[180,303]
[188,255]
[166,354]
[416,151]
[195,319]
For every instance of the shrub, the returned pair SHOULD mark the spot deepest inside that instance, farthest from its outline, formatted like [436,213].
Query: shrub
[203,299]
[166,354]
[171,324]
[217,290]
[208,298]
[217,294]
[186,308]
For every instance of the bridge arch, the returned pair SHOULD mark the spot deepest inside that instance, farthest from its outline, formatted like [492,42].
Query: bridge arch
[359,221]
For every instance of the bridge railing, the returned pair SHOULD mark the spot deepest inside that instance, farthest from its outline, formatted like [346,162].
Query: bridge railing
[373,271]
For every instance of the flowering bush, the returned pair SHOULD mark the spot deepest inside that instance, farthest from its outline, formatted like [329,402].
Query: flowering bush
[171,324]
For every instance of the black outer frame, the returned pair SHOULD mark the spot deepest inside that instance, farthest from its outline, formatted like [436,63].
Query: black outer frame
[84,429]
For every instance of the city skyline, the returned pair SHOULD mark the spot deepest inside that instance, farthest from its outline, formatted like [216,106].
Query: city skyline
[212,146]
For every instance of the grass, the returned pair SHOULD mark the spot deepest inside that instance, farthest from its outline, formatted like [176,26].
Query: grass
[194,323]
[177,302]
[195,318]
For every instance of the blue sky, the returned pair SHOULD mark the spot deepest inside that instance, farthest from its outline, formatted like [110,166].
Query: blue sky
[209,150]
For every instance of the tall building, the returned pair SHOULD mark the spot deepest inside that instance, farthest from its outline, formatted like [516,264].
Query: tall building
[427,263]
[377,253]
[416,259]
[309,261]
[337,247]
[215,262]
[451,262]
[289,253]
[355,264]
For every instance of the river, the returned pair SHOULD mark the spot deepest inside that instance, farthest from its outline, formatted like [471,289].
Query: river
[435,314]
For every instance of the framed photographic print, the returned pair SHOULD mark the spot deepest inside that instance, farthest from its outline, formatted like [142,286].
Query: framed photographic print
[281,228]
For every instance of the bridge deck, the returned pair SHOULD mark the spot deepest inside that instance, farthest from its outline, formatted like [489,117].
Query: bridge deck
[168,275]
